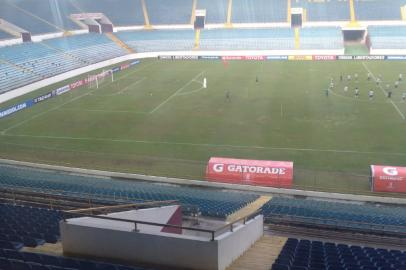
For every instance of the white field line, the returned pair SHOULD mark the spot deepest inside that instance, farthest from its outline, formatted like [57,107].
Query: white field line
[102,111]
[102,153]
[190,92]
[67,102]
[136,70]
[3,132]
[122,90]
[203,144]
[384,92]
[125,89]
[176,92]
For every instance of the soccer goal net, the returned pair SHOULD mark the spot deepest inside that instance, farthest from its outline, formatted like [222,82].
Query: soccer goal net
[96,80]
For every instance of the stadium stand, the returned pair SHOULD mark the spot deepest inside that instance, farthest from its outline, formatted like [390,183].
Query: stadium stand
[4,35]
[259,11]
[216,10]
[90,47]
[11,77]
[30,62]
[378,10]
[178,12]
[28,225]
[123,13]
[242,39]
[387,37]
[158,40]
[55,13]
[25,21]
[211,203]
[323,38]
[316,255]
[334,10]
[338,213]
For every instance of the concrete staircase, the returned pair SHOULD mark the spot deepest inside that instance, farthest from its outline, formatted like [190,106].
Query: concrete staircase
[229,13]
[261,255]
[249,209]
[147,25]
[297,38]
[120,43]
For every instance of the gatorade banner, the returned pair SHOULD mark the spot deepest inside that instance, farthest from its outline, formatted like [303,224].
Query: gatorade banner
[250,172]
[300,57]
[388,179]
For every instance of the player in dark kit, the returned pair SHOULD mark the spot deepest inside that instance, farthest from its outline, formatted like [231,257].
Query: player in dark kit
[389,94]
[228,95]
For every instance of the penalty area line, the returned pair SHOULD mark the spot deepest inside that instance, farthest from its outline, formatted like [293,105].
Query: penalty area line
[384,92]
[3,132]
[176,92]
[204,144]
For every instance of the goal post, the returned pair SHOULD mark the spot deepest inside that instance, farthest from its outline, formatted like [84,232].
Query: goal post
[96,80]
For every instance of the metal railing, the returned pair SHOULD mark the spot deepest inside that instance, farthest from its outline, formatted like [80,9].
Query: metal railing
[212,232]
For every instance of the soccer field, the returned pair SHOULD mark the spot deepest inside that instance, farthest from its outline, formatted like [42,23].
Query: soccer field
[156,118]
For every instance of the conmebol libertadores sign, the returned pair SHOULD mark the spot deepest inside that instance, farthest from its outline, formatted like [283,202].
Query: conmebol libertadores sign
[250,172]
[388,179]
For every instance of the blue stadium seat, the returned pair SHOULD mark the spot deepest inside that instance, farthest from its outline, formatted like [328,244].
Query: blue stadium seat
[178,12]
[304,254]
[247,39]
[321,38]
[338,213]
[216,10]
[387,37]
[333,10]
[19,265]
[158,40]
[211,203]
[259,11]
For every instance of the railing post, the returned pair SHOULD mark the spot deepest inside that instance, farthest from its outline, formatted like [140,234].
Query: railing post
[135,227]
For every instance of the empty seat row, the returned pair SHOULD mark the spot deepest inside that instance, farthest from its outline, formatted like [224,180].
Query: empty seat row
[316,255]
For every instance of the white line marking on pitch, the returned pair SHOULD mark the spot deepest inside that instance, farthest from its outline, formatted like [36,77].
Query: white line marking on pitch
[204,144]
[384,92]
[176,92]
[3,132]
[122,90]
[190,92]
[104,111]
[136,70]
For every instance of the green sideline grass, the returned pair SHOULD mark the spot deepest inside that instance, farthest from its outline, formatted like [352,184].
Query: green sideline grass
[156,119]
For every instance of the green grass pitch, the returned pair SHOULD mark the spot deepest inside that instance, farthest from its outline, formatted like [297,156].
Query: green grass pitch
[156,118]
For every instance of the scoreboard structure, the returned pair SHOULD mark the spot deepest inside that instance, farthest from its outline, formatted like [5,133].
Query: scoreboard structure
[200,19]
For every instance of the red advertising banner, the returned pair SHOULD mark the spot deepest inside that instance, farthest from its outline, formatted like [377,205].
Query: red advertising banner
[125,66]
[388,179]
[324,57]
[77,84]
[250,172]
[244,57]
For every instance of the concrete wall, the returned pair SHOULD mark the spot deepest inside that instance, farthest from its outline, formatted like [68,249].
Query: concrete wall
[160,215]
[160,249]
[136,247]
[233,245]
